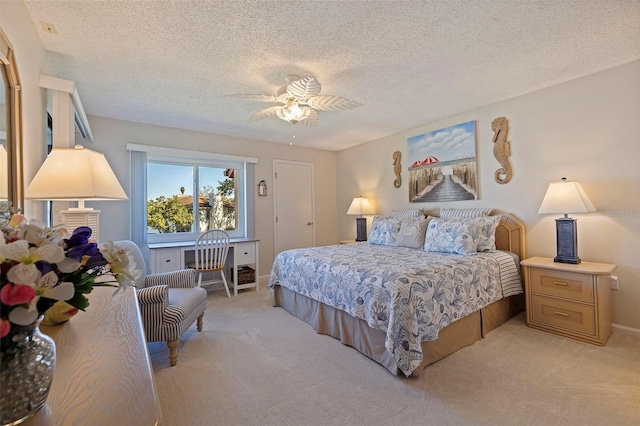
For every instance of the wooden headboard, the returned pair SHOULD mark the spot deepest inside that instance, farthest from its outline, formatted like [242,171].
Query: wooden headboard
[510,235]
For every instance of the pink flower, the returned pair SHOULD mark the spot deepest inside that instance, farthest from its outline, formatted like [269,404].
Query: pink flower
[17,294]
[5,326]
[17,219]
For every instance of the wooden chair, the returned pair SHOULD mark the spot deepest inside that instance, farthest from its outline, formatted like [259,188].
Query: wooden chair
[211,252]
[169,302]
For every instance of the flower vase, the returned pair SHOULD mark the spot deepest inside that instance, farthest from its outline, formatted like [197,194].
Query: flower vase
[27,365]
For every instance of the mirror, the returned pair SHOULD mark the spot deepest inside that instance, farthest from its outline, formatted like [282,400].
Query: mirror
[11,180]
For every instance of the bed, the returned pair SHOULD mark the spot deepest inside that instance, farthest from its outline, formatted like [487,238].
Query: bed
[405,307]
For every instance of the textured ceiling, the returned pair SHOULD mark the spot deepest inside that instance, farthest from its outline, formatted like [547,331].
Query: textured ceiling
[409,62]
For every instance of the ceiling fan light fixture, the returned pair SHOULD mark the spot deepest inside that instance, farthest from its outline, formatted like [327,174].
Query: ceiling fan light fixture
[303,91]
[292,112]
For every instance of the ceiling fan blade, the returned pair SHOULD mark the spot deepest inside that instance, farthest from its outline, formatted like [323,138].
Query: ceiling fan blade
[264,113]
[258,98]
[332,103]
[304,88]
[310,119]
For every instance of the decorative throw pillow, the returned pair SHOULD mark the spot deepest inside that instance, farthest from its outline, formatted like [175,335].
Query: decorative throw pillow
[384,230]
[407,213]
[471,212]
[412,233]
[482,230]
[449,236]
[486,235]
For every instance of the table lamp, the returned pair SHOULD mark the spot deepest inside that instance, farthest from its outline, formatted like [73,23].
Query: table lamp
[566,197]
[359,206]
[76,174]
[4,174]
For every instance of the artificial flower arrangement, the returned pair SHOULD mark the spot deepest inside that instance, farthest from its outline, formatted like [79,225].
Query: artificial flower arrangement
[41,266]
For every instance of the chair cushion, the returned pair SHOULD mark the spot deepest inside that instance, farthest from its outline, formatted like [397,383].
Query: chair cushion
[182,302]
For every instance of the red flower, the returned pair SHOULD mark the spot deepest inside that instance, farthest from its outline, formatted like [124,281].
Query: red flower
[16,294]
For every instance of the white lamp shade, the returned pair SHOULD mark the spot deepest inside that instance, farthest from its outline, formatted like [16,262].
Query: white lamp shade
[360,206]
[75,174]
[4,174]
[565,197]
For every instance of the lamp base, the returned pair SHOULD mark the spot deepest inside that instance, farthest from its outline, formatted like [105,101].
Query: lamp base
[361,229]
[74,218]
[567,241]
[572,260]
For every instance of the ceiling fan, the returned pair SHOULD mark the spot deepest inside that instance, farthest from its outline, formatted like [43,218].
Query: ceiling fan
[301,101]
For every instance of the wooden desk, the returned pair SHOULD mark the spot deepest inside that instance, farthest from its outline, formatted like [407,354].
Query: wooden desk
[103,372]
[172,256]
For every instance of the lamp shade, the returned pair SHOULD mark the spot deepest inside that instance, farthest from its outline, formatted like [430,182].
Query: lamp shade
[75,174]
[359,206]
[4,174]
[565,197]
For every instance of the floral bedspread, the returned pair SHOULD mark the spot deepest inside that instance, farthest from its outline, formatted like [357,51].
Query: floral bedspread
[409,294]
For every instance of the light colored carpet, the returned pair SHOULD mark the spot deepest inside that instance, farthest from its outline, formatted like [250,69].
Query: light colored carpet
[254,364]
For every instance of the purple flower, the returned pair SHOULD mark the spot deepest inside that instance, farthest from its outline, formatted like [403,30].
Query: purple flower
[78,245]
[79,236]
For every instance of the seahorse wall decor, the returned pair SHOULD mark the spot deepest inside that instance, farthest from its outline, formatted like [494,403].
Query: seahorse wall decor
[502,149]
[397,167]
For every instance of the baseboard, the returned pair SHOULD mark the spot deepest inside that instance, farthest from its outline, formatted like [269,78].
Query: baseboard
[625,329]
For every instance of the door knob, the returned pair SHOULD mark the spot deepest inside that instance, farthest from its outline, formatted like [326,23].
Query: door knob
[309,223]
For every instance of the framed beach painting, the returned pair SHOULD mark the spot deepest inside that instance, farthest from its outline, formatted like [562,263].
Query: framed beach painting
[443,165]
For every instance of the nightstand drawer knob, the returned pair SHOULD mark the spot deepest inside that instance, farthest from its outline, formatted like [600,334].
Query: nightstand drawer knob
[562,314]
[562,283]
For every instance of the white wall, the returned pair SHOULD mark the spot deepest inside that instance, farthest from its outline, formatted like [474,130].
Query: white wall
[111,137]
[586,129]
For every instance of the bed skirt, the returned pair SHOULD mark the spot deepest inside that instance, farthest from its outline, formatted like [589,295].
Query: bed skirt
[356,333]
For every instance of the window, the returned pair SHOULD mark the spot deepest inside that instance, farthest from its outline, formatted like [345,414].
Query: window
[183,193]
[191,198]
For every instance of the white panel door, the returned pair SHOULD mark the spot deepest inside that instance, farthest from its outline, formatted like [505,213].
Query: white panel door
[294,210]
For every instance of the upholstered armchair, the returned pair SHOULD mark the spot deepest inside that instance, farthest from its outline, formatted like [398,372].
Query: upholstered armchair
[169,303]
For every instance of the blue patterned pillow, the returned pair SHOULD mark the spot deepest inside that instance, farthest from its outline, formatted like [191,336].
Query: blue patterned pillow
[482,230]
[486,232]
[450,236]
[384,230]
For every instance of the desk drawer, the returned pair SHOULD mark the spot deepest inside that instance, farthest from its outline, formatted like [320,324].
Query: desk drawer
[166,260]
[245,253]
[557,313]
[568,285]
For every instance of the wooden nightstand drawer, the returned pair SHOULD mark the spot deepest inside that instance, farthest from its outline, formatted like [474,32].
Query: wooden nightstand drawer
[555,313]
[568,285]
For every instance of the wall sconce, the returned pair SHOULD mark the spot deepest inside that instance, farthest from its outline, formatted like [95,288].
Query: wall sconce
[360,206]
[262,188]
[566,197]
[76,174]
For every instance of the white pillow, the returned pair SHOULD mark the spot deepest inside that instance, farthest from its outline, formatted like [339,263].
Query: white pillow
[471,212]
[407,213]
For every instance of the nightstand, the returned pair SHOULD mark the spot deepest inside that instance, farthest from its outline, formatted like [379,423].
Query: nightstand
[569,300]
